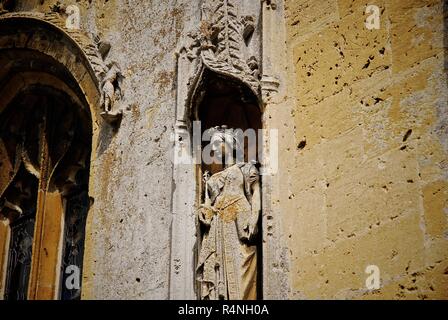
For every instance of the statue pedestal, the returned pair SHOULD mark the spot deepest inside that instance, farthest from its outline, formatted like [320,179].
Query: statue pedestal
[112,117]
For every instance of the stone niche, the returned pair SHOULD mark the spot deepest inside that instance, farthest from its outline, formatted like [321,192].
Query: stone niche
[224,78]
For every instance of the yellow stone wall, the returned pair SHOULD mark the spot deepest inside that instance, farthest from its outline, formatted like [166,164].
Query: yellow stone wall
[368,183]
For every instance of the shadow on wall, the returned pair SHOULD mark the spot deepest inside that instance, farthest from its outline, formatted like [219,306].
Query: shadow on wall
[445,34]
[105,137]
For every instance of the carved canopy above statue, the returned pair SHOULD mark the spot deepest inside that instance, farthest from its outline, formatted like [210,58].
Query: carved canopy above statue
[220,44]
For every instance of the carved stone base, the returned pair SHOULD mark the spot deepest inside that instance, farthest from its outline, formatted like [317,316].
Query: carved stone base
[112,117]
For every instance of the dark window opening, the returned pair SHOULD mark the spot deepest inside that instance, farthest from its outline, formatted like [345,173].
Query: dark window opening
[47,136]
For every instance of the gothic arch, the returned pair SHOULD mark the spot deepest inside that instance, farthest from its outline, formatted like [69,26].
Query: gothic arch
[46,34]
[49,65]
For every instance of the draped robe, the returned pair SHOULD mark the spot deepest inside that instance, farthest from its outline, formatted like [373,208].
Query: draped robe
[227,265]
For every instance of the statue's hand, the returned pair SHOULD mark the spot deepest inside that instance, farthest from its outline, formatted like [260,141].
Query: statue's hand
[249,231]
[253,230]
[206,213]
[253,226]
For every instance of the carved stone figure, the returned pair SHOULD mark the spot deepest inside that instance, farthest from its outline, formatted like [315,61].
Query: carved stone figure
[110,84]
[227,265]
[111,91]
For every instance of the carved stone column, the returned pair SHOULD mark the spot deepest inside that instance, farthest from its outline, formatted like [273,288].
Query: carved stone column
[183,239]
[275,254]
[271,19]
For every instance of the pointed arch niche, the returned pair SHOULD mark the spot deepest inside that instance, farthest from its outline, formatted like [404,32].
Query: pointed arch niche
[49,124]
[218,100]
[218,83]
[223,101]
[229,67]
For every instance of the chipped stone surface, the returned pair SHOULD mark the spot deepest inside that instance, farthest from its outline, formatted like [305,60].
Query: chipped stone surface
[369,186]
[129,236]
[362,126]
[128,233]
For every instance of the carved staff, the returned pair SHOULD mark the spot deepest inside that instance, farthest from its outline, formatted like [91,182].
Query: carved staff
[205,212]
[205,178]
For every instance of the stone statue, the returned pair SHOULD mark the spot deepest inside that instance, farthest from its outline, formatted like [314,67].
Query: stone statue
[111,90]
[111,81]
[227,265]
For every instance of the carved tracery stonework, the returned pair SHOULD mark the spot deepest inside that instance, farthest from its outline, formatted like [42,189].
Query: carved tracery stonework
[106,73]
[220,44]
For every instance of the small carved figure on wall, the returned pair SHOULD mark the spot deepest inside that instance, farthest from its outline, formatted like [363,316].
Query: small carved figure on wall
[110,85]
[227,265]
[111,90]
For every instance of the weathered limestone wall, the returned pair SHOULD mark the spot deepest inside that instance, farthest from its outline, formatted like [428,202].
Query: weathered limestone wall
[128,235]
[363,144]
[368,183]
[129,246]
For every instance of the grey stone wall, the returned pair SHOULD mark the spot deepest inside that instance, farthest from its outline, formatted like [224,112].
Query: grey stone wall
[128,233]
[129,240]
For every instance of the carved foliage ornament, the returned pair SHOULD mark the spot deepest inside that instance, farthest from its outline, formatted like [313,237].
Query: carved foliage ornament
[219,43]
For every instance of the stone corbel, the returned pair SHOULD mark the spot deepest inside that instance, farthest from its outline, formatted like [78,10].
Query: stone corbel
[269,87]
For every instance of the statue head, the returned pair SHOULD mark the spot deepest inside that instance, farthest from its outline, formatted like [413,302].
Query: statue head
[224,143]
